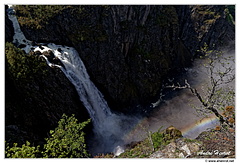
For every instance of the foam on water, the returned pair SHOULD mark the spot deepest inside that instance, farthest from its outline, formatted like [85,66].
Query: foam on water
[113,131]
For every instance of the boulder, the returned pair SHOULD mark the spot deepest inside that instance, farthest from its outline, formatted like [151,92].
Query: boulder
[172,133]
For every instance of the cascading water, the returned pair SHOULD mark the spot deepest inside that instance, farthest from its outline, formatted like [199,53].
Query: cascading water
[109,128]
[18,38]
[112,131]
[75,71]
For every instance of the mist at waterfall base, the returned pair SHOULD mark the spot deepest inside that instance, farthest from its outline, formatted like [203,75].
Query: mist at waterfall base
[113,131]
[176,108]
[109,128]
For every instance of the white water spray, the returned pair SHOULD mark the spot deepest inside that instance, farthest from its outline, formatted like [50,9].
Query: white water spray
[75,71]
[109,128]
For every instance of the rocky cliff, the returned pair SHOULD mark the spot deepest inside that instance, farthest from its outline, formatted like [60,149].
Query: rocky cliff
[130,50]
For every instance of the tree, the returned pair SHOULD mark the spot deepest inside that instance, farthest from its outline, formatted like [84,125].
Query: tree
[66,141]
[215,97]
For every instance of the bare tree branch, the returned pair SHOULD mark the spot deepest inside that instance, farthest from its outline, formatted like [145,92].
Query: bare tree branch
[220,72]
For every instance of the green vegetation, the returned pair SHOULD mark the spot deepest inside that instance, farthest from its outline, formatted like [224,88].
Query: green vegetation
[66,141]
[155,141]
[159,140]
[140,150]
[208,12]
[26,151]
[204,17]
[192,140]
[36,16]
[21,66]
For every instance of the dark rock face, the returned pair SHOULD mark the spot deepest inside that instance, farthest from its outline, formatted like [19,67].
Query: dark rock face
[9,31]
[130,50]
[213,26]
[34,105]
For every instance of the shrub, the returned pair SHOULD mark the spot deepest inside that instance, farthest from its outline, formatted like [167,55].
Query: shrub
[66,141]
[157,139]
[26,151]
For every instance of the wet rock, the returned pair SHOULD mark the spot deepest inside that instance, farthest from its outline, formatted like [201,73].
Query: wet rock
[31,52]
[50,55]
[34,43]
[21,46]
[52,59]
[37,53]
[57,61]
[59,49]
[40,46]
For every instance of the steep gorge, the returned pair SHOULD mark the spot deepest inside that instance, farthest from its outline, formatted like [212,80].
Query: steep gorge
[128,51]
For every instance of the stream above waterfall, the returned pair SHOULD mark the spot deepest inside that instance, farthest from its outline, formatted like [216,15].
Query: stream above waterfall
[113,131]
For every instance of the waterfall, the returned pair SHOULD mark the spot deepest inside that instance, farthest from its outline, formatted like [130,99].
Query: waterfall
[76,72]
[18,38]
[113,131]
[109,128]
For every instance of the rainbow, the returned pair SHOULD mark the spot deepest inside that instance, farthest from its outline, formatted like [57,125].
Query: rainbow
[139,130]
[193,130]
